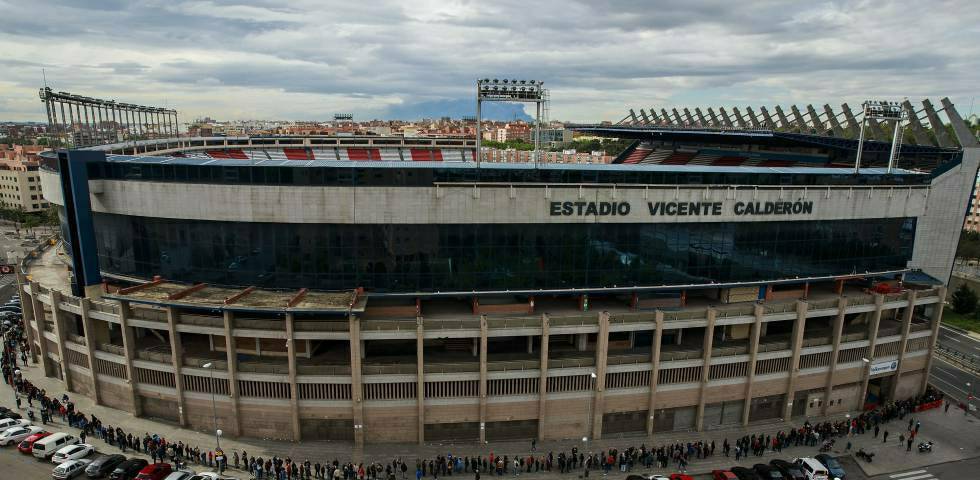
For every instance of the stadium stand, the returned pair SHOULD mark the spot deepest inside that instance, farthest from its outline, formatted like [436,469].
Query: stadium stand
[729,161]
[235,153]
[421,154]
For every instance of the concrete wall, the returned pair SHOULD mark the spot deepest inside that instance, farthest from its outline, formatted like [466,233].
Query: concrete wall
[938,230]
[486,204]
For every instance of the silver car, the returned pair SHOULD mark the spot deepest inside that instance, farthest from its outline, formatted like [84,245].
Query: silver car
[69,469]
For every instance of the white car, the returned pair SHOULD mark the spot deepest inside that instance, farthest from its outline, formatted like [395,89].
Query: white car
[6,423]
[180,475]
[70,469]
[72,452]
[13,436]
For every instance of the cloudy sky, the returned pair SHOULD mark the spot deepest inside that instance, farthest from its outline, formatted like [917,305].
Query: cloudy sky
[306,59]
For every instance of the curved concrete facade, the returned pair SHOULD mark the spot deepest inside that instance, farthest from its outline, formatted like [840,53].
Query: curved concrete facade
[291,375]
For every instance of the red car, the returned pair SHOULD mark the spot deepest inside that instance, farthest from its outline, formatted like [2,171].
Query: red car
[27,445]
[680,476]
[157,471]
[722,475]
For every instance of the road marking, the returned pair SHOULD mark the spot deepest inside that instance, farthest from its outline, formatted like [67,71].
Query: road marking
[918,477]
[899,475]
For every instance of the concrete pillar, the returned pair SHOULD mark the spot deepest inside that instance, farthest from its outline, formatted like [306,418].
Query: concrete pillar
[835,341]
[27,304]
[937,316]
[601,356]
[483,379]
[794,369]
[759,312]
[88,331]
[231,356]
[872,341]
[709,338]
[632,339]
[363,348]
[356,387]
[476,347]
[903,343]
[582,342]
[39,321]
[57,318]
[543,377]
[420,377]
[293,387]
[129,351]
[658,335]
[176,358]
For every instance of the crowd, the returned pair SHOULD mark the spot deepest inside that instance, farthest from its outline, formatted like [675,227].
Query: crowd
[677,455]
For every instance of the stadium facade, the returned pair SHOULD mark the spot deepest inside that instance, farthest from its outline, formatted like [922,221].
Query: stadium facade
[394,290]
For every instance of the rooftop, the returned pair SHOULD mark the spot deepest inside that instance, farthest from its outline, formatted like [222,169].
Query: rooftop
[162,292]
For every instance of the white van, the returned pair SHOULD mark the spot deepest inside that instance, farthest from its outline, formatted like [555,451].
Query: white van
[813,469]
[46,446]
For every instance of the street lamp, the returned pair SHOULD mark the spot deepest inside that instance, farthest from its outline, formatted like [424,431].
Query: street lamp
[589,422]
[214,410]
[970,398]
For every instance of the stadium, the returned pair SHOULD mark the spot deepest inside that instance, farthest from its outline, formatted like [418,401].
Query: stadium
[724,269]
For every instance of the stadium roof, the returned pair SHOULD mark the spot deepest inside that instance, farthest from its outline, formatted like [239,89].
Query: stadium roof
[923,132]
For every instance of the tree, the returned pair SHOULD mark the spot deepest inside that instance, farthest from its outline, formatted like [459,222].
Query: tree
[964,300]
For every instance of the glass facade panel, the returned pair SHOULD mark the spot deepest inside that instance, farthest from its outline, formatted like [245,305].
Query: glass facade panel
[427,258]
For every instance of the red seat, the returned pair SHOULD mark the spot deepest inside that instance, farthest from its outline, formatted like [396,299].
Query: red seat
[364,154]
[297,154]
[636,155]
[679,158]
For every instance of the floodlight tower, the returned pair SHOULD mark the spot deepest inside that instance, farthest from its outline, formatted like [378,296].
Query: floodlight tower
[496,90]
[882,110]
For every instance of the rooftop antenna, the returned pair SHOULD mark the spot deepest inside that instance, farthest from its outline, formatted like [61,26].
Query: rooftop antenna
[45,79]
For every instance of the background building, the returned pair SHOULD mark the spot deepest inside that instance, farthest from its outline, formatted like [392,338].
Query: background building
[20,185]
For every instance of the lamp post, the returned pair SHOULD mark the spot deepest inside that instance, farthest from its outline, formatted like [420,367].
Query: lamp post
[867,380]
[214,410]
[589,422]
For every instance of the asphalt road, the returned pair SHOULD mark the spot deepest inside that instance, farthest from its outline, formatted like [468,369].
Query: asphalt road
[960,342]
[964,469]
[17,466]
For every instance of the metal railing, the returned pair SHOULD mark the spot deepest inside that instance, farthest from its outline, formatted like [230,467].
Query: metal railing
[965,360]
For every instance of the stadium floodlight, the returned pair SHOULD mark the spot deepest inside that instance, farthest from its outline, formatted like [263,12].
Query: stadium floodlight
[887,111]
[511,90]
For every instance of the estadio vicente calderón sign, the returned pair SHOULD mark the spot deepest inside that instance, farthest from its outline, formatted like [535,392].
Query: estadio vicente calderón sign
[680,209]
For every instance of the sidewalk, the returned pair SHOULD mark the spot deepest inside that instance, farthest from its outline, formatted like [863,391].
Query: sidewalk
[955,437]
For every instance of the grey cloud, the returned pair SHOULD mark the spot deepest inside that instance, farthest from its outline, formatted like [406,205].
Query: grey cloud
[373,54]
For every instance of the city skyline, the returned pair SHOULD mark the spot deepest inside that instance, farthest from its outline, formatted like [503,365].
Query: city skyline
[306,60]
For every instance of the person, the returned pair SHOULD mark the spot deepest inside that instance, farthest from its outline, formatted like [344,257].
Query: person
[908,447]
[947,407]
[885,437]
[534,444]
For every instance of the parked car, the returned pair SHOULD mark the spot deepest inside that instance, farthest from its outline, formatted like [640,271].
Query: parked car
[15,435]
[812,468]
[215,476]
[767,472]
[722,475]
[635,476]
[70,469]
[47,446]
[745,473]
[128,470]
[180,475]
[790,471]
[11,414]
[833,466]
[26,446]
[6,423]
[72,452]
[103,465]
[680,476]
[156,471]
